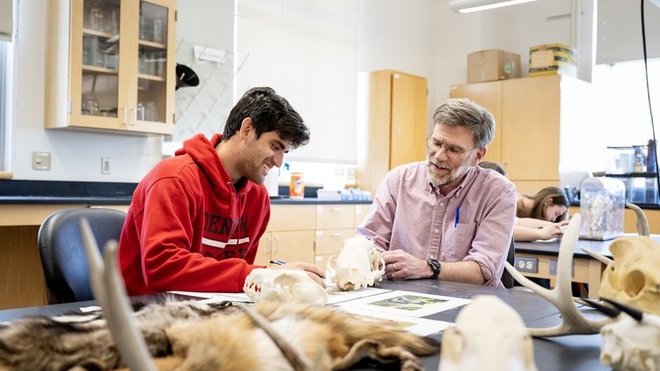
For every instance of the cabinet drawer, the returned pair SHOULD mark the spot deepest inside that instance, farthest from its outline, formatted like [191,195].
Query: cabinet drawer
[322,261]
[361,212]
[334,216]
[292,218]
[330,241]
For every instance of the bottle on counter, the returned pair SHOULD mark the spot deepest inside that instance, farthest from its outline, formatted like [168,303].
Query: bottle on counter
[297,185]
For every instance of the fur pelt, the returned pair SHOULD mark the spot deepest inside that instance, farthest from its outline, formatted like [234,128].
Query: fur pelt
[189,335]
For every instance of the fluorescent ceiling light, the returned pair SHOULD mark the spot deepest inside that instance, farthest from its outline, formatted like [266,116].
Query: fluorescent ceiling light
[469,6]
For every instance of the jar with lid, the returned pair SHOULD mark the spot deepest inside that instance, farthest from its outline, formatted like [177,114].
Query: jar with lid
[602,201]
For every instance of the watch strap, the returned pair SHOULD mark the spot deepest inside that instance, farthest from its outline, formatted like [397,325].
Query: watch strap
[435,266]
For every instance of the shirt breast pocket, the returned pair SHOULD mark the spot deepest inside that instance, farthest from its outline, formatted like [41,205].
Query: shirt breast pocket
[456,243]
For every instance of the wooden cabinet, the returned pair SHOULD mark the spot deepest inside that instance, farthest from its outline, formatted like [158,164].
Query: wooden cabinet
[391,124]
[361,211]
[544,125]
[290,235]
[111,65]
[488,95]
[334,224]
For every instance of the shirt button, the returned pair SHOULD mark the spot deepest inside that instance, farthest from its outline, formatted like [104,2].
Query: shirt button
[436,230]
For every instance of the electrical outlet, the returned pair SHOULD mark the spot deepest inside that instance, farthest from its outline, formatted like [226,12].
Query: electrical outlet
[40,160]
[105,165]
[552,267]
[527,265]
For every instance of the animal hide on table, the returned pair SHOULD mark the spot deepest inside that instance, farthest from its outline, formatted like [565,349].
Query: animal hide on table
[190,335]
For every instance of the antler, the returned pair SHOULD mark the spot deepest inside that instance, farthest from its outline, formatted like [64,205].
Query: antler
[642,222]
[573,322]
[109,291]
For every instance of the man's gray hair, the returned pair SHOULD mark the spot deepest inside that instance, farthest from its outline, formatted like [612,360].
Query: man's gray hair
[462,112]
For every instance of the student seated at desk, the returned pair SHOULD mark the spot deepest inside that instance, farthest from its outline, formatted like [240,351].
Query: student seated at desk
[196,218]
[538,217]
[541,216]
[446,218]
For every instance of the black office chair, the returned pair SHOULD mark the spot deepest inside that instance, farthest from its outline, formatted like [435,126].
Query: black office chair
[62,252]
[507,278]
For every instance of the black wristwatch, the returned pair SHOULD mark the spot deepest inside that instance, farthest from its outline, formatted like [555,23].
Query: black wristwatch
[435,266]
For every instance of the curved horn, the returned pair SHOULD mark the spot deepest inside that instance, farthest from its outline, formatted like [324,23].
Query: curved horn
[642,223]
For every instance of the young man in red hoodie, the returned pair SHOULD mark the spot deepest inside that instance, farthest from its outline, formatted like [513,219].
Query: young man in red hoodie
[195,220]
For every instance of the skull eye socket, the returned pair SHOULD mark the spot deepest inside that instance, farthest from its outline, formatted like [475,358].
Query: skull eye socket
[634,283]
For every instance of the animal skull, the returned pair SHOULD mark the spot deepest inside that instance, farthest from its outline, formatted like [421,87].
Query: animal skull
[357,264]
[284,286]
[634,280]
[632,342]
[486,321]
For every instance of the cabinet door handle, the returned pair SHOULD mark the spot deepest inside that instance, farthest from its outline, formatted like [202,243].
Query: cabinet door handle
[336,234]
[277,244]
[337,209]
[269,245]
[125,110]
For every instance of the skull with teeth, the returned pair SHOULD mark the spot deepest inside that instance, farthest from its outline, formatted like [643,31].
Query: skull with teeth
[285,286]
[357,264]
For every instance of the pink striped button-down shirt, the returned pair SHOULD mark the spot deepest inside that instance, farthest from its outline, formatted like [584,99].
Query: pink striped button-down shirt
[473,222]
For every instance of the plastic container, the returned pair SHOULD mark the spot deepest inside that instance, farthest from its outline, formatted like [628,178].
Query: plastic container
[297,186]
[602,201]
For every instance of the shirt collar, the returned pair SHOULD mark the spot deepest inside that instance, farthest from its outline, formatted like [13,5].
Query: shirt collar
[456,191]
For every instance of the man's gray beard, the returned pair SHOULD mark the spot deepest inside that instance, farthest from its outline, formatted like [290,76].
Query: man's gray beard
[438,181]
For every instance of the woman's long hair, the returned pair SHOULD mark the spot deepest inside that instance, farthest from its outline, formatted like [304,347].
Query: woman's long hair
[538,207]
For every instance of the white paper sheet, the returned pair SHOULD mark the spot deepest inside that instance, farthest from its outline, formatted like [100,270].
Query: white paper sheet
[415,325]
[336,295]
[216,296]
[406,303]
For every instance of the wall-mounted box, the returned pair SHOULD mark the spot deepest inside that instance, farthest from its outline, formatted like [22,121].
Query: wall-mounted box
[493,65]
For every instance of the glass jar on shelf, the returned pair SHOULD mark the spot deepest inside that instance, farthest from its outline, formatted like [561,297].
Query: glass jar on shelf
[139,112]
[150,112]
[90,106]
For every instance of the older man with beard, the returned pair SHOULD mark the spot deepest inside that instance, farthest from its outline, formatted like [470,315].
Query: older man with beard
[446,218]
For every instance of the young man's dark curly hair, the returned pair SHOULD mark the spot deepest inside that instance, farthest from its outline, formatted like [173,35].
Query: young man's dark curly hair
[269,112]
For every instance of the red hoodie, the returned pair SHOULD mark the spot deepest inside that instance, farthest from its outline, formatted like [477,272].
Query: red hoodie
[188,228]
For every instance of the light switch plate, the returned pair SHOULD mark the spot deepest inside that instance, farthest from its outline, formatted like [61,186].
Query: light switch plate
[105,165]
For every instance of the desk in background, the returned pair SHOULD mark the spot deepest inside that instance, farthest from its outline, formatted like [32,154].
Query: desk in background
[585,268]
[566,353]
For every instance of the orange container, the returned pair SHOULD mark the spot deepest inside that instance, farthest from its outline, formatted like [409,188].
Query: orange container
[297,186]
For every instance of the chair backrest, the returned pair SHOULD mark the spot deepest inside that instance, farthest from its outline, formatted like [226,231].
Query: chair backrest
[507,278]
[62,251]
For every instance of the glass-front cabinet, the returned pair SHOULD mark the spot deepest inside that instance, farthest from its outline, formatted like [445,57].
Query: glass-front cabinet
[111,65]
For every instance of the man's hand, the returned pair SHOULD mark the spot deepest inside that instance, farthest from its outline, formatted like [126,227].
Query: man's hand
[401,265]
[312,270]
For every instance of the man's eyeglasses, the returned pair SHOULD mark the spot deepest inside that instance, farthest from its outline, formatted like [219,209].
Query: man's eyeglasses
[452,151]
